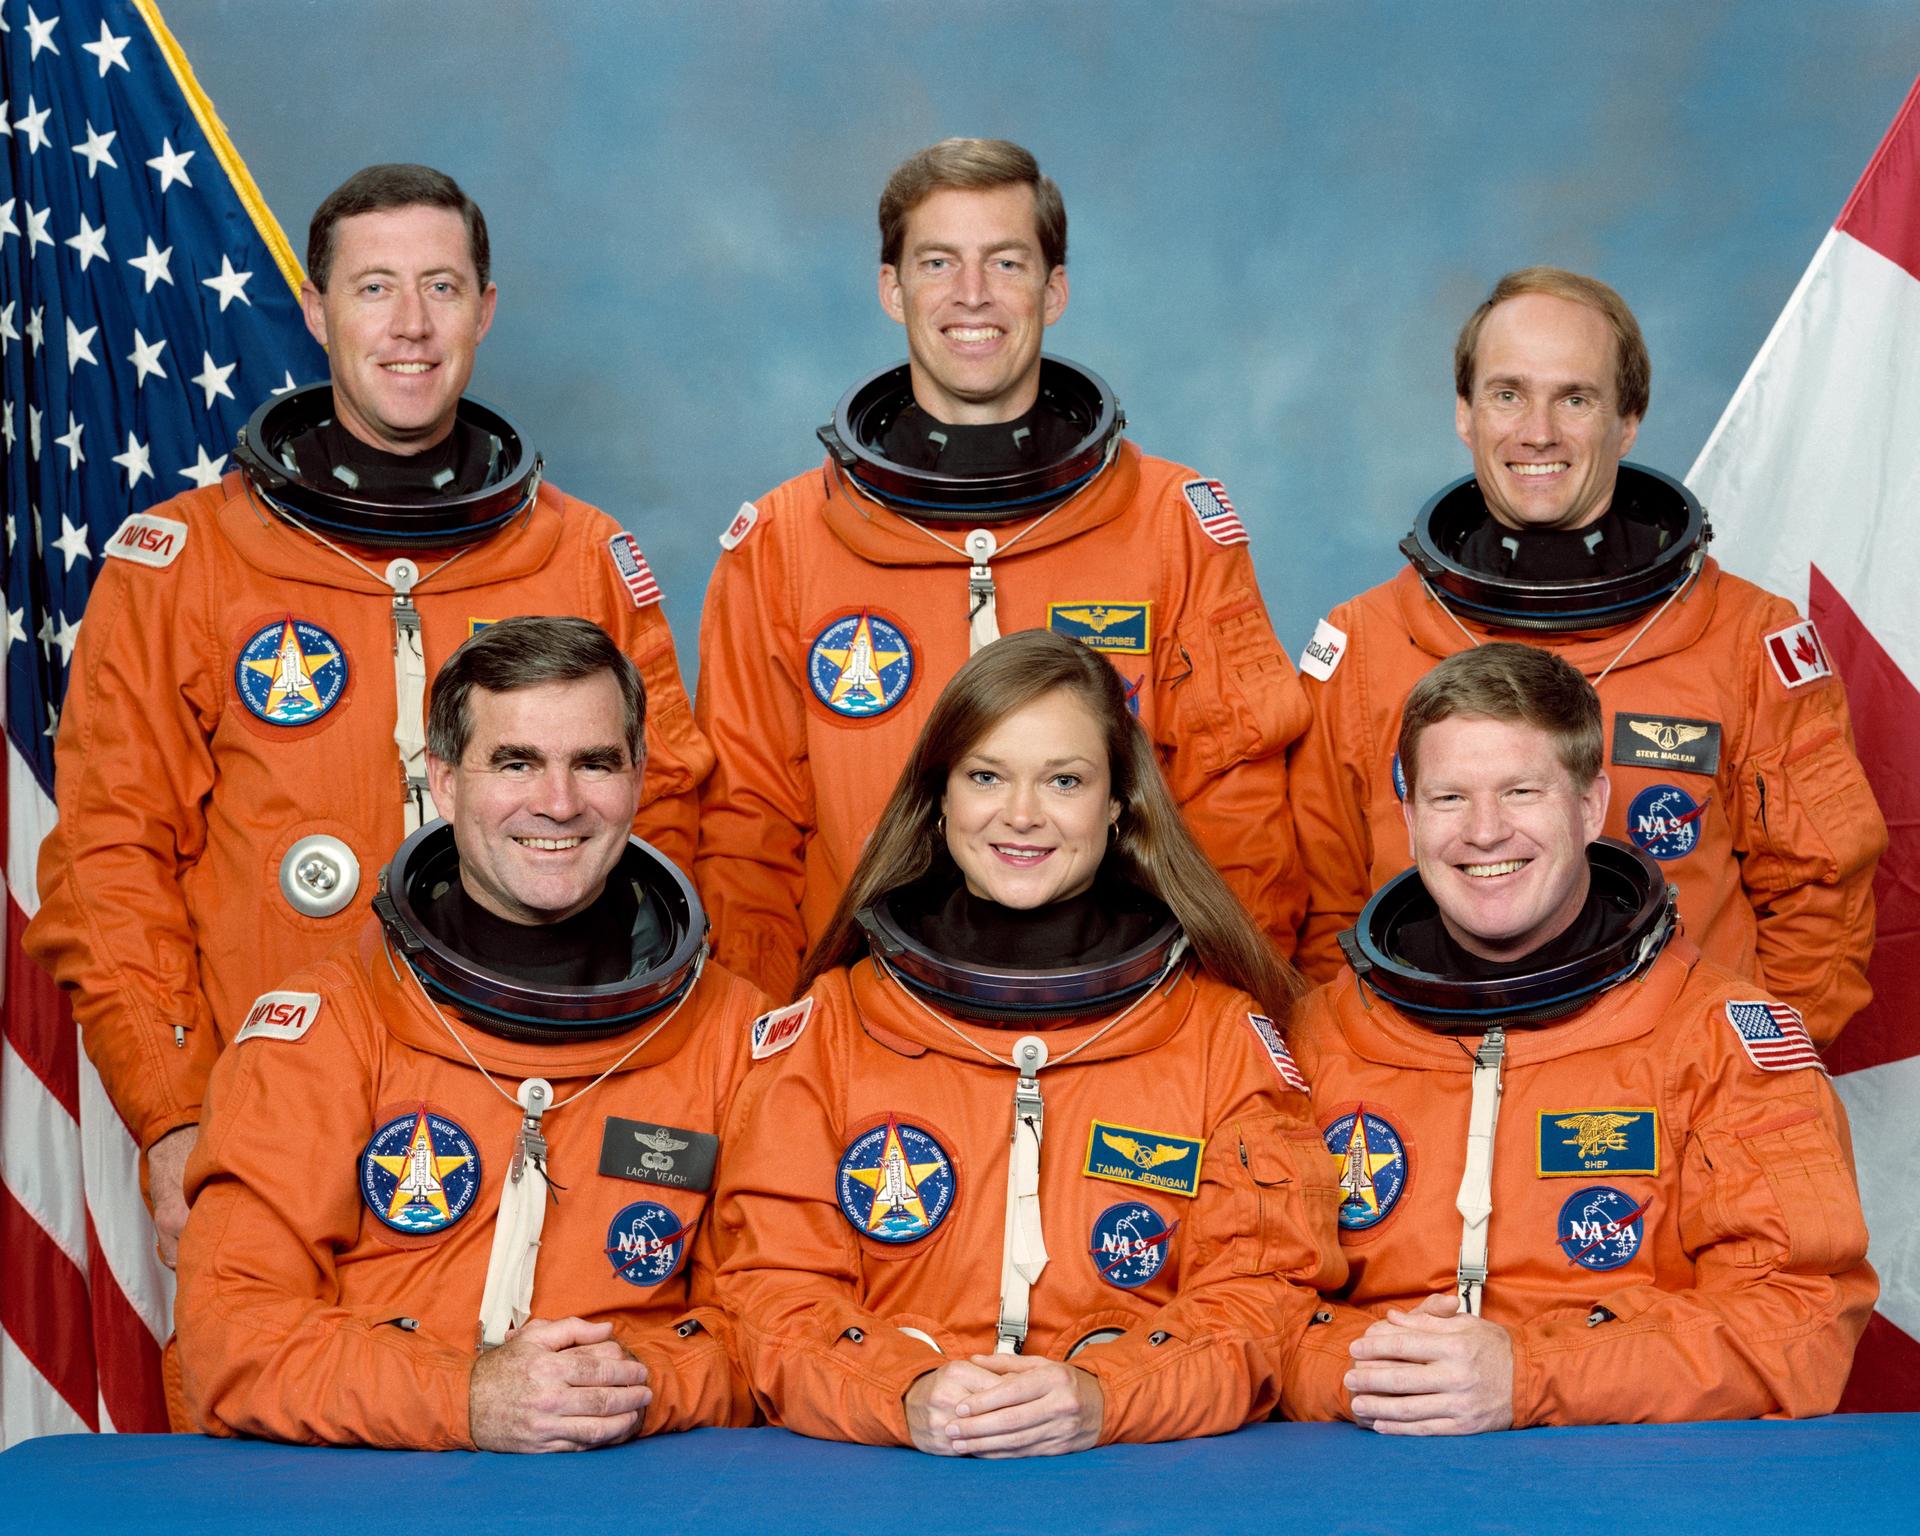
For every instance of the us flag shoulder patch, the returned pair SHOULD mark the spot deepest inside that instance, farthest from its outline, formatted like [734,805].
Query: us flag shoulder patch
[634,572]
[1221,523]
[1773,1036]
[1797,654]
[1277,1052]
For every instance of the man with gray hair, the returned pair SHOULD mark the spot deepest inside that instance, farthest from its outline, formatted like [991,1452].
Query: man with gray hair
[1586,1175]
[438,1202]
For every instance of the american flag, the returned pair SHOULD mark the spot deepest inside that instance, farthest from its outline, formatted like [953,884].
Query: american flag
[147,303]
[1773,1036]
[1276,1048]
[634,571]
[1208,498]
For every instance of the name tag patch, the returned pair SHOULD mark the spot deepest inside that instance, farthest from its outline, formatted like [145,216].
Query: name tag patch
[1575,1143]
[1125,1154]
[1666,741]
[657,1154]
[1123,627]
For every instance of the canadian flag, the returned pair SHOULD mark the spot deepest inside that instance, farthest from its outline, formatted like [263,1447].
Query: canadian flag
[1813,480]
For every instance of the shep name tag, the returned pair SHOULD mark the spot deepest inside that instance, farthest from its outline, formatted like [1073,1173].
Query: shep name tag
[657,1154]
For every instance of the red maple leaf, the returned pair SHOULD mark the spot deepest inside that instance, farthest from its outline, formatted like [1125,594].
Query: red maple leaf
[1803,650]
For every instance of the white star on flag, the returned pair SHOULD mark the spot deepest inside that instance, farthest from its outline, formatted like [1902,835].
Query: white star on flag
[80,345]
[213,378]
[145,358]
[7,332]
[286,387]
[6,431]
[171,167]
[155,265]
[72,541]
[70,440]
[37,226]
[136,461]
[36,326]
[91,243]
[7,226]
[16,627]
[229,284]
[65,637]
[95,148]
[110,50]
[34,125]
[40,35]
[204,471]
[33,429]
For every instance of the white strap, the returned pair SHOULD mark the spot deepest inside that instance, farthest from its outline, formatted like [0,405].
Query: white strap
[1024,1246]
[1475,1200]
[507,1300]
[410,722]
[983,607]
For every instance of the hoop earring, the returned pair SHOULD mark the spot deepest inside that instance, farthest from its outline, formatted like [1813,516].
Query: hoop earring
[940,826]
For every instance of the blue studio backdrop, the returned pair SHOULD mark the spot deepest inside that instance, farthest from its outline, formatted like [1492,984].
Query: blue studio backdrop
[1281,210]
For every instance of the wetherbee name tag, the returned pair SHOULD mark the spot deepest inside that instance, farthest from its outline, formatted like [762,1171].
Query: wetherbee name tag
[657,1154]
[1125,1154]
[1575,1143]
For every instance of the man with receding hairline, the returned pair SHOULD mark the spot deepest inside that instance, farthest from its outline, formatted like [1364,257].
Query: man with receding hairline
[1727,731]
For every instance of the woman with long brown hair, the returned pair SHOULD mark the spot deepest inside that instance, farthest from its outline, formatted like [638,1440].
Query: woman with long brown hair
[1027,1168]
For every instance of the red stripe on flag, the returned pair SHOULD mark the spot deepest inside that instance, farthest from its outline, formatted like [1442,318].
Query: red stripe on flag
[43,1307]
[1886,1371]
[1884,210]
[1886,725]
[130,1377]
[37,1020]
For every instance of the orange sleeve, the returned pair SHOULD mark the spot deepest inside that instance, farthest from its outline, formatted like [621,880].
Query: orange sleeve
[265,1347]
[679,758]
[133,771]
[1770,1215]
[757,810]
[1264,1242]
[692,1370]
[818,1361]
[1808,835]
[1227,705]
[1329,798]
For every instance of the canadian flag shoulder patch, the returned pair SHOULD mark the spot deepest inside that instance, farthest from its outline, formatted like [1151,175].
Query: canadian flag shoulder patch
[1323,652]
[1797,654]
[280,1016]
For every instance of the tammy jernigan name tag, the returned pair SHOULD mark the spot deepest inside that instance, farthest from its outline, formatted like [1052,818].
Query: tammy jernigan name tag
[657,1154]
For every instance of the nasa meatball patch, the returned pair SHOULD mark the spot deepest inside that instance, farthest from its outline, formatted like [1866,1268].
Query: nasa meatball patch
[1600,1227]
[646,1243]
[280,1016]
[1664,820]
[1129,1244]
[420,1172]
[148,540]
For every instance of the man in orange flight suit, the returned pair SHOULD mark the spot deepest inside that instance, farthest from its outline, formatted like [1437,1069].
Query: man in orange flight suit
[1730,745]
[231,767]
[980,489]
[1588,1176]
[1183,1199]
[528,1003]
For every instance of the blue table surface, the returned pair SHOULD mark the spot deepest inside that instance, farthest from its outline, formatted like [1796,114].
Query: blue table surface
[1853,1476]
